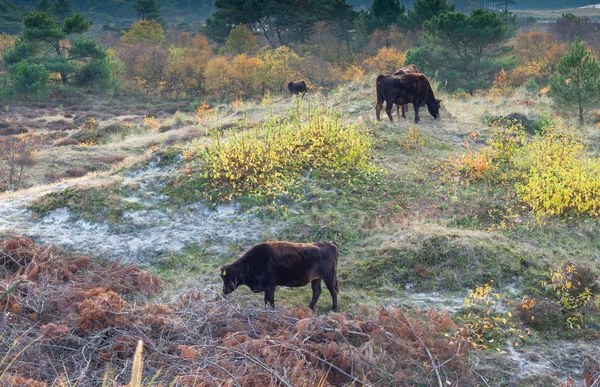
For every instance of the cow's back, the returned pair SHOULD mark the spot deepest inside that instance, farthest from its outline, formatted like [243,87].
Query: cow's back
[296,264]
[406,88]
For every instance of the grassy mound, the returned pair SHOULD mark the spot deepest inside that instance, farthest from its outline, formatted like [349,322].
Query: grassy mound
[266,160]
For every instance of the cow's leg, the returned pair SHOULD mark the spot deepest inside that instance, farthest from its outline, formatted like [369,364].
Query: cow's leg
[333,288]
[378,108]
[404,109]
[316,287]
[270,296]
[416,106]
[388,109]
[398,110]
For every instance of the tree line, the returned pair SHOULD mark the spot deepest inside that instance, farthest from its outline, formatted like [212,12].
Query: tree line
[249,48]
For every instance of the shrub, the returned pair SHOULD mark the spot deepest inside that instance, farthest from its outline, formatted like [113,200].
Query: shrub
[265,160]
[532,86]
[145,31]
[487,327]
[387,61]
[17,155]
[280,66]
[246,74]
[538,54]
[88,137]
[574,294]
[241,40]
[413,139]
[496,160]
[560,179]
[30,79]
[218,76]
[460,93]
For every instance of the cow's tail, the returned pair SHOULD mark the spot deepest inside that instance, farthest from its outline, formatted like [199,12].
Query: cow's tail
[337,288]
[380,97]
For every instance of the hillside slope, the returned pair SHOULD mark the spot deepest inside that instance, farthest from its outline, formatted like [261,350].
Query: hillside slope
[411,235]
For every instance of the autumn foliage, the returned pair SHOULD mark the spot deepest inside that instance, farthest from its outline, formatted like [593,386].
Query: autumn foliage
[538,54]
[387,61]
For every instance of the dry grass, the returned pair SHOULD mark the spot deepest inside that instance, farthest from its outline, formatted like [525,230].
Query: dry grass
[71,319]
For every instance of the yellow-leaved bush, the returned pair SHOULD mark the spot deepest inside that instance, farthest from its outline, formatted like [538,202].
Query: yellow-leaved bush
[560,178]
[265,160]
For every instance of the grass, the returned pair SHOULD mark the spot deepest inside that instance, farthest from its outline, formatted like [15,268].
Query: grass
[407,230]
[94,204]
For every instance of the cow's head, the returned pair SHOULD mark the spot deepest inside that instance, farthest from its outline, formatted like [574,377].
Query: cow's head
[230,279]
[434,108]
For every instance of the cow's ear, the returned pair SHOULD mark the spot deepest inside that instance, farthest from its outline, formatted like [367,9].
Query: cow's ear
[223,271]
[438,100]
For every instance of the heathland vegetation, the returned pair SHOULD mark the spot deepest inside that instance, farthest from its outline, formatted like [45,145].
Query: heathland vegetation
[144,144]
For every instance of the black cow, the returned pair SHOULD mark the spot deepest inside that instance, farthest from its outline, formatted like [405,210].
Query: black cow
[297,88]
[408,88]
[409,69]
[267,265]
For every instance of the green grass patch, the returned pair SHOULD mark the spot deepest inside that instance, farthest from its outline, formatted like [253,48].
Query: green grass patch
[436,259]
[95,204]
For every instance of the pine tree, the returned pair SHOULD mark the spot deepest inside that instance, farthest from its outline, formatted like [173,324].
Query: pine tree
[576,85]
[466,51]
[381,14]
[46,6]
[84,61]
[62,10]
[424,10]
[148,10]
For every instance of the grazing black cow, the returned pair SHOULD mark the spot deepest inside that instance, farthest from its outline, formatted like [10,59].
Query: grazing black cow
[409,69]
[265,266]
[408,88]
[297,88]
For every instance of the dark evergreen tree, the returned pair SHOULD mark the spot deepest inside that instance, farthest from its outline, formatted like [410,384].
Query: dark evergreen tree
[278,21]
[577,82]
[81,63]
[11,17]
[424,10]
[62,10]
[466,51]
[381,14]
[46,6]
[147,10]
[342,16]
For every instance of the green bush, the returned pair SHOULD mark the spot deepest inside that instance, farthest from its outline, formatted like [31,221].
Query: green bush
[561,179]
[532,86]
[30,79]
[265,160]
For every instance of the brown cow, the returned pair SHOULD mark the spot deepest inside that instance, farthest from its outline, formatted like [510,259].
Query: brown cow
[267,265]
[408,88]
[410,69]
[297,88]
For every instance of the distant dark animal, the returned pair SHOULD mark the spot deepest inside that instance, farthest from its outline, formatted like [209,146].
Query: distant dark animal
[410,69]
[408,88]
[297,88]
[267,265]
